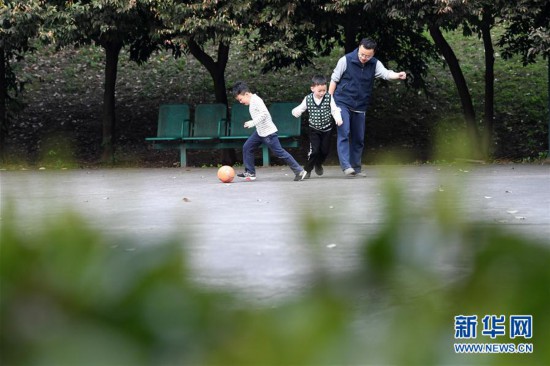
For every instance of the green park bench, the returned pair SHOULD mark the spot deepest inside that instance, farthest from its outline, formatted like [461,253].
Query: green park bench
[173,125]
[210,129]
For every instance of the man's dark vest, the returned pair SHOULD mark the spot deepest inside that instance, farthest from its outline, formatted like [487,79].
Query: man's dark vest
[320,117]
[355,86]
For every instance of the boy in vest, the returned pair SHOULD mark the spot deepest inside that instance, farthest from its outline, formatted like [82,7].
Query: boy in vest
[266,132]
[321,109]
[351,85]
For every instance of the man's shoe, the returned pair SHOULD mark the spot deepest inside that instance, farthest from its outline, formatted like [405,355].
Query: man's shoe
[247,176]
[319,170]
[350,172]
[300,176]
[308,175]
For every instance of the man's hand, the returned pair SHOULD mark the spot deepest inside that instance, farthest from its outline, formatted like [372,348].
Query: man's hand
[248,124]
[339,123]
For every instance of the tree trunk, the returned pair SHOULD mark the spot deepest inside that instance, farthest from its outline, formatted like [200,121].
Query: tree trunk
[3,99]
[215,68]
[217,72]
[489,115]
[350,35]
[112,51]
[219,77]
[462,87]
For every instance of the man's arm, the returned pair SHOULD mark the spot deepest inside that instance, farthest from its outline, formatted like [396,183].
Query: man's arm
[335,111]
[337,74]
[402,75]
[332,87]
[382,72]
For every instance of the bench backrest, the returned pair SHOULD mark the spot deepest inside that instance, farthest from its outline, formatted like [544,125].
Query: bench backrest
[286,123]
[239,115]
[173,120]
[209,119]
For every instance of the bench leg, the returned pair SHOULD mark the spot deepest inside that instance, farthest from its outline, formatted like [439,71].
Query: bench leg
[183,156]
[265,153]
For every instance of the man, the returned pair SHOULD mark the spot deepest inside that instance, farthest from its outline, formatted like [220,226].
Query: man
[351,85]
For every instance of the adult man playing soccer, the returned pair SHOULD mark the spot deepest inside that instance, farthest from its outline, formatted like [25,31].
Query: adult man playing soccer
[351,84]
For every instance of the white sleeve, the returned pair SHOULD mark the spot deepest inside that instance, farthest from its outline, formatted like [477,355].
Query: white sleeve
[297,112]
[334,110]
[381,71]
[339,69]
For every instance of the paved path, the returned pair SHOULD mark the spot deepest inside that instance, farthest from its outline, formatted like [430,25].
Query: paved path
[250,235]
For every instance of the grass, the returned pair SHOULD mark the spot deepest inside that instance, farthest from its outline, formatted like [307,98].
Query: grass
[65,97]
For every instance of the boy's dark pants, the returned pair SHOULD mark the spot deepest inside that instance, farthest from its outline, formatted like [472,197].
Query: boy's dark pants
[319,147]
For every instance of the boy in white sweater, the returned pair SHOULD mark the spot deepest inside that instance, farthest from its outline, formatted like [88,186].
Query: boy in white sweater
[266,132]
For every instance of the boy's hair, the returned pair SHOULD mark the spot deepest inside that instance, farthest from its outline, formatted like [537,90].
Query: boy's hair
[239,88]
[318,80]
[368,43]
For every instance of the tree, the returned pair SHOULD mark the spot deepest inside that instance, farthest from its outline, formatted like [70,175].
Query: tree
[528,34]
[474,16]
[527,30]
[111,24]
[195,25]
[20,22]
[481,17]
[437,16]
[298,31]
[443,15]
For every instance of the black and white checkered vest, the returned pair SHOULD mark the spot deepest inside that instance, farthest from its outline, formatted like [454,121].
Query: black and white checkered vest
[320,117]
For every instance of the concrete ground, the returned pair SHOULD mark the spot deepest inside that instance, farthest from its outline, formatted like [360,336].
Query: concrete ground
[250,235]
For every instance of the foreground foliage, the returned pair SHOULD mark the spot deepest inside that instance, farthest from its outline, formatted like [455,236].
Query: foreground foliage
[72,296]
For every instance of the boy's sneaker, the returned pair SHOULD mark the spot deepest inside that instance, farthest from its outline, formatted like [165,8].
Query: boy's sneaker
[350,172]
[319,170]
[247,176]
[300,176]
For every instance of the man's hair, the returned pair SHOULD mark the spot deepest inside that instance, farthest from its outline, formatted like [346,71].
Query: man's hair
[318,80]
[239,88]
[368,43]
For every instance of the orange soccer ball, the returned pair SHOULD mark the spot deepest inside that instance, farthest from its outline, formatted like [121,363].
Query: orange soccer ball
[226,174]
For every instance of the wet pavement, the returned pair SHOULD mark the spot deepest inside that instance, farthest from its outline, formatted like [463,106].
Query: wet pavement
[251,235]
